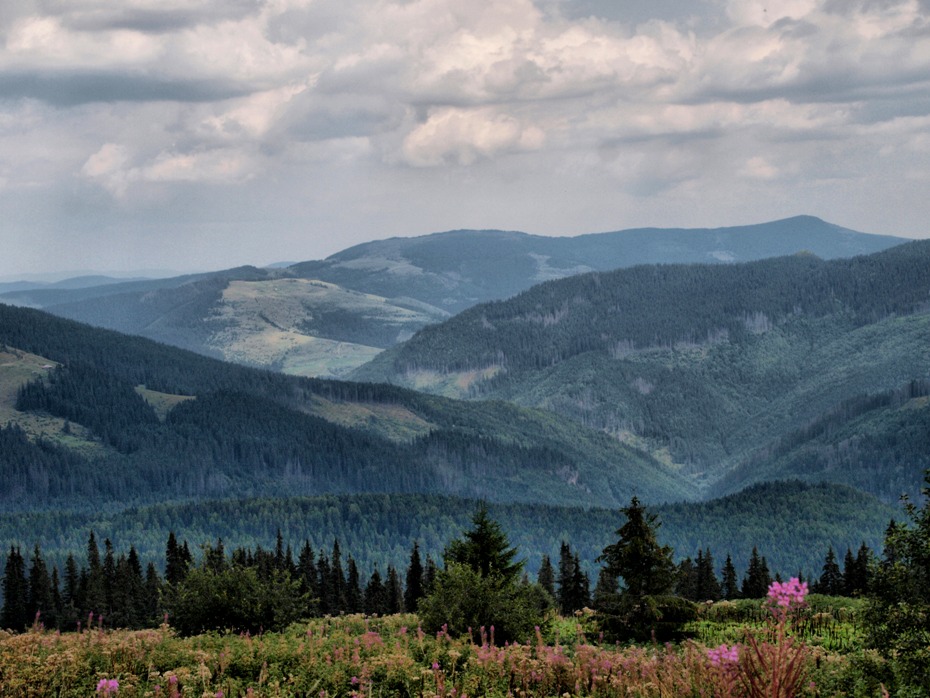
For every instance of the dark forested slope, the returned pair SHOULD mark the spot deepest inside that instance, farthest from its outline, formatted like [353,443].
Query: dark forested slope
[704,363]
[168,424]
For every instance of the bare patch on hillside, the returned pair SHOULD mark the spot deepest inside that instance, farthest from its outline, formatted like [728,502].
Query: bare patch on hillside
[394,422]
[162,403]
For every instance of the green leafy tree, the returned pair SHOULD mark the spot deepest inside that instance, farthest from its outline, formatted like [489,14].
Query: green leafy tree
[898,612]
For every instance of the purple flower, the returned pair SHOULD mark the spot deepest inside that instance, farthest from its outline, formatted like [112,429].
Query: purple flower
[107,687]
[724,656]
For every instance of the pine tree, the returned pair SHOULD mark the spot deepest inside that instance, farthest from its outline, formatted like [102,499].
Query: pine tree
[41,602]
[485,549]
[15,612]
[645,566]
[566,569]
[393,592]
[707,588]
[757,580]
[353,588]
[414,580]
[831,579]
[546,576]
[730,587]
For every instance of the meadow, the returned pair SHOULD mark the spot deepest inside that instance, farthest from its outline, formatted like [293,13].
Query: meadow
[734,649]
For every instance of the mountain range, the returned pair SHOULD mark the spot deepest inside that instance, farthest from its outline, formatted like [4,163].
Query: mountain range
[673,382]
[325,318]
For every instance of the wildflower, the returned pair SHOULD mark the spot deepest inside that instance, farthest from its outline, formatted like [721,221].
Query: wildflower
[107,687]
[723,656]
[787,594]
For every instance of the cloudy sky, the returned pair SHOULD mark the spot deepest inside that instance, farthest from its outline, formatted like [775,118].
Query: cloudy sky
[202,134]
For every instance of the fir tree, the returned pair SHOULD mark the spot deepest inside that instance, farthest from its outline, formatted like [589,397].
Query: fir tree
[757,580]
[707,587]
[414,580]
[485,549]
[546,576]
[730,588]
[354,598]
[375,596]
[15,612]
[831,579]
[41,599]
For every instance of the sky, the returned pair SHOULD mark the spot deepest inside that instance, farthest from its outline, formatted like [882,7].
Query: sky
[197,135]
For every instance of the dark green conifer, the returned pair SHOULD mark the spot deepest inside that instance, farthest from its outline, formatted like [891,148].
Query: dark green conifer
[15,612]
[546,576]
[414,580]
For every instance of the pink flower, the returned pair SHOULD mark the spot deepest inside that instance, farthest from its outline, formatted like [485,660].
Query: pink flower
[788,594]
[107,687]
[724,656]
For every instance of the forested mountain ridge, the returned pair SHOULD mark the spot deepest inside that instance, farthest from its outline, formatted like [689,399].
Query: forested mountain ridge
[244,432]
[707,364]
[326,317]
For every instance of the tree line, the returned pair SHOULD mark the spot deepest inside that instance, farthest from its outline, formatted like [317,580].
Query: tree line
[255,588]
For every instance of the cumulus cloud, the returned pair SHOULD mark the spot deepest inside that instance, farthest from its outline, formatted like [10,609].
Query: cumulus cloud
[808,103]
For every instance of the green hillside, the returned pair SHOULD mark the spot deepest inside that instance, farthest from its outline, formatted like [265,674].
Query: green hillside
[702,365]
[245,432]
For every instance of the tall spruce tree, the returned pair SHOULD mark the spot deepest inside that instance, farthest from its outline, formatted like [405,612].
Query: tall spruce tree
[41,597]
[643,607]
[414,590]
[831,579]
[546,576]
[15,612]
[730,588]
[757,580]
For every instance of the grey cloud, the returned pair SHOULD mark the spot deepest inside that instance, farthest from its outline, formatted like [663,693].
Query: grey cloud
[312,117]
[101,16]
[66,89]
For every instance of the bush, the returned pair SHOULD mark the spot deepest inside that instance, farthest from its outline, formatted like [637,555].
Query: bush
[464,601]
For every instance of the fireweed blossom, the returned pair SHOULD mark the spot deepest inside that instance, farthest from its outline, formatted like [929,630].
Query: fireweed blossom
[784,596]
[107,687]
[724,656]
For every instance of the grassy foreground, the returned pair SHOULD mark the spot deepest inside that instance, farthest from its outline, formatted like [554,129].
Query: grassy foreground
[355,656]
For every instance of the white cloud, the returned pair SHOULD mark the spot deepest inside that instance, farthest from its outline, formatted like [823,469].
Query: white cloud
[808,103]
[462,136]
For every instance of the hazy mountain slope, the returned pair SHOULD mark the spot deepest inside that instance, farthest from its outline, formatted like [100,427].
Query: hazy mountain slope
[255,318]
[407,283]
[458,269]
[254,432]
[703,363]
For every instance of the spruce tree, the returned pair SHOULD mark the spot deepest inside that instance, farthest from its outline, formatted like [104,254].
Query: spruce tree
[15,612]
[414,580]
[707,587]
[41,599]
[645,566]
[831,579]
[730,588]
[353,588]
[485,549]
[546,576]
[375,596]
[393,592]
[757,580]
